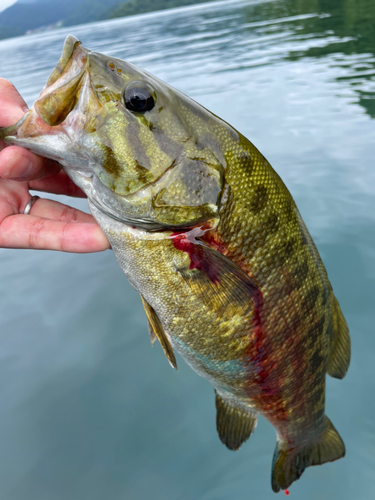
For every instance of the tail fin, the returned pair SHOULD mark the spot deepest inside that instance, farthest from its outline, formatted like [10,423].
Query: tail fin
[289,464]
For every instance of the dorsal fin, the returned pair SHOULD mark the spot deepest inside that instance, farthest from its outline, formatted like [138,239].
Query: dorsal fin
[234,426]
[339,349]
[159,333]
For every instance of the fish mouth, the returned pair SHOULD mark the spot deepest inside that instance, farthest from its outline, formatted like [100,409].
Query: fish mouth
[64,102]
[57,99]
[71,42]
[59,96]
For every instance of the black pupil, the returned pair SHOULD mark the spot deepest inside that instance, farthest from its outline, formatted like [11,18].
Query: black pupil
[139,99]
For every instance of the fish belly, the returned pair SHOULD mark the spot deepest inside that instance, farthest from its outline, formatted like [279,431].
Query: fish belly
[241,360]
[213,342]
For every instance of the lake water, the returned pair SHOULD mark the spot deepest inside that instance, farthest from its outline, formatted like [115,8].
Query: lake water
[89,411]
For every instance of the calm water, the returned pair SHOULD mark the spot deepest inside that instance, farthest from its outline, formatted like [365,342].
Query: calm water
[88,409]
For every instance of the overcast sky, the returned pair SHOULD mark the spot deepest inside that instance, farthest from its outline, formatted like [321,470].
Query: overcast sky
[5,3]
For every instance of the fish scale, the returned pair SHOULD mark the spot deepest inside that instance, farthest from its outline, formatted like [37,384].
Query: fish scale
[211,239]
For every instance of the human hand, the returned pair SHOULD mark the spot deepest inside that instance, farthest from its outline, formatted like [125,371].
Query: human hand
[50,224]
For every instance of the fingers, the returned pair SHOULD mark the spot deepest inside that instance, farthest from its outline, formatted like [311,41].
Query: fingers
[43,175]
[15,162]
[30,231]
[52,226]
[57,184]
[19,164]
[49,209]
[12,106]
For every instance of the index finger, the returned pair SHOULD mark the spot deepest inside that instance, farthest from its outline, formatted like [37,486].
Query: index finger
[29,231]
[18,163]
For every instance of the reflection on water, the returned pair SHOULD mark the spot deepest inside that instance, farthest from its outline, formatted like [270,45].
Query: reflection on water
[89,410]
[321,28]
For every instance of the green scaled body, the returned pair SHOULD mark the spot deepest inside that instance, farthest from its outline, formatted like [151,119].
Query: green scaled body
[210,237]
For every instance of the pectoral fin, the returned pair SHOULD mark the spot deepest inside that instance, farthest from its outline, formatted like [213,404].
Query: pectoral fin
[234,426]
[157,332]
[219,282]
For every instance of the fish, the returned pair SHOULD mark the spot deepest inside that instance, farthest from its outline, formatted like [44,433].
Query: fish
[210,237]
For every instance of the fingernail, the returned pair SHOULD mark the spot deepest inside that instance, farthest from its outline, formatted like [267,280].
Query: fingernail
[19,167]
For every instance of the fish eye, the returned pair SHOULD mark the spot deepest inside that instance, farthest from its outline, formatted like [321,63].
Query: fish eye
[139,97]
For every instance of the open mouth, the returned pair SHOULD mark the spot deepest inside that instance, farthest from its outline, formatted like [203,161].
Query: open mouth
[58,97]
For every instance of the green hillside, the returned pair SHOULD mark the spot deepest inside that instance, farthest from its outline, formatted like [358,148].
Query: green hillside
[24,16]
[32,15]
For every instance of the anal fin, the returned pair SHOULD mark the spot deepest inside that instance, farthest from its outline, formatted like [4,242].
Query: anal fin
[151,333]
[339,349]
[157,331]
[234,425]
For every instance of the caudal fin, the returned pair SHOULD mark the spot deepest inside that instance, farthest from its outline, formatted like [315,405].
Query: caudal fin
[289,463]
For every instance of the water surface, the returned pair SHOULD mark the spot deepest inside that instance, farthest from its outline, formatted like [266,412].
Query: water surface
[89,410]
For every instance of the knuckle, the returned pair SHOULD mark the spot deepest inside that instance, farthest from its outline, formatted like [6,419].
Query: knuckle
[63,238]
[69,214]
[36,236]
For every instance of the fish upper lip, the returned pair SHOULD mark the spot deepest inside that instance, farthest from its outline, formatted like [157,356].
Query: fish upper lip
[70,45]
[57,99]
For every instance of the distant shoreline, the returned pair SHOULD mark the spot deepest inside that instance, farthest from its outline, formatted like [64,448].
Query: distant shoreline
[24,19]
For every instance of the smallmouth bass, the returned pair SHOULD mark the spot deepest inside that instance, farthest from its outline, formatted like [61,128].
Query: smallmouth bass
[211,239]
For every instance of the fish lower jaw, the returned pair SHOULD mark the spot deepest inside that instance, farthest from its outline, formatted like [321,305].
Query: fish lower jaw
[39,146]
